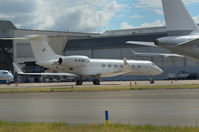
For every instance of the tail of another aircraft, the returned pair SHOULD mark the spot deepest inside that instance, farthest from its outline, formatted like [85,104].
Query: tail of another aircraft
[41,49]
[178,20]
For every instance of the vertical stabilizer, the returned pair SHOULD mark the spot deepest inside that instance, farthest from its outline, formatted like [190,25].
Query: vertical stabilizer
[177,17]
[41,50]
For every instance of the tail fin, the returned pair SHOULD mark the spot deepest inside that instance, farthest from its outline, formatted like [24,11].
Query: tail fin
[41,50]
[178,18]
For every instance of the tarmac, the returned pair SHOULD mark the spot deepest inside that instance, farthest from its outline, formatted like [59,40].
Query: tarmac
[104,83]
[138,107]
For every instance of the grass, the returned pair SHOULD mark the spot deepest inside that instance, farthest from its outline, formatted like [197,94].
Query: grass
[61,127]
[93,88]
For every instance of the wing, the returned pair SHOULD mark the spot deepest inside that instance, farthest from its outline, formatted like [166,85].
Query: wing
[157,54]
[189,43]
[19,72]
[126,69]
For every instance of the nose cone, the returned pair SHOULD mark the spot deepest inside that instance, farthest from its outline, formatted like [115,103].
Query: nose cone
[158,71]
[11,77]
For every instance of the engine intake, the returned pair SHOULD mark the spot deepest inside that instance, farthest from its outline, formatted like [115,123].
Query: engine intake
[60,61]
[76,61]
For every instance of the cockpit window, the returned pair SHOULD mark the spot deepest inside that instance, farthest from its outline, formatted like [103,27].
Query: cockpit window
[5,72]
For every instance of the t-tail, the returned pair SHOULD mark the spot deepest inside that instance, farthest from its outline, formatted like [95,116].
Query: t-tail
[178,20]
[41,49]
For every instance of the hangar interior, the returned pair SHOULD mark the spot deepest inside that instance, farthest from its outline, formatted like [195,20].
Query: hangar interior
[110,45]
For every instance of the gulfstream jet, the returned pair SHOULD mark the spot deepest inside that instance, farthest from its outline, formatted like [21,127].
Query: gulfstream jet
[183,32]
[83,66]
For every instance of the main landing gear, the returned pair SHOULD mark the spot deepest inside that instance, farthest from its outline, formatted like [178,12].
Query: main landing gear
[79,82]
[96,82]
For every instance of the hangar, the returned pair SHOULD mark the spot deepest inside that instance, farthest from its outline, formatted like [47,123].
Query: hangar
[110,45]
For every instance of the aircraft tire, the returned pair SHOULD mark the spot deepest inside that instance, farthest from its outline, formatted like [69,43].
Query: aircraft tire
[79,82]
[96,82]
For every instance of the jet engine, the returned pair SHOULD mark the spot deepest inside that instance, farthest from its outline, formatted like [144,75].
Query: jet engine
[76,61]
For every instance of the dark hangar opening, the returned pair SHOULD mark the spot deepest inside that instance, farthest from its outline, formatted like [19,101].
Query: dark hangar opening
[6,55]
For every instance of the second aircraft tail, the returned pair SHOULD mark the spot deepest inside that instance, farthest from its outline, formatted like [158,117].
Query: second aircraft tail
[178,20]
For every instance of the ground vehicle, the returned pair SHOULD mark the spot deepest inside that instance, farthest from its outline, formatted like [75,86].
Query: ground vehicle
[181,75]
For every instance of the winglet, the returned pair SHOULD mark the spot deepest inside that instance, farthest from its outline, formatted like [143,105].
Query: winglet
[18,70]
[127,67]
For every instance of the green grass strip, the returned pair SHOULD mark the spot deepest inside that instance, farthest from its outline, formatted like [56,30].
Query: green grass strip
[61,127]
[94,88]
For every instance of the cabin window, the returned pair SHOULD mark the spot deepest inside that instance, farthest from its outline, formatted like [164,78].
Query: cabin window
[139,66]
[133,66]
[75,60]
[115,66]
[80,60]
[5,72]
[109,65]
[121,66]
[103,65]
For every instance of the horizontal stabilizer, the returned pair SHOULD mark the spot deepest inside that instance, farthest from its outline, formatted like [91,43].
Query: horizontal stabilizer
[150,44]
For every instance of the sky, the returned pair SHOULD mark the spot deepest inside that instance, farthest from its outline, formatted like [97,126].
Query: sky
[94,16]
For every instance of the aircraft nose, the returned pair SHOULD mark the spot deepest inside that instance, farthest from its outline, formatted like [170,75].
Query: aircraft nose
[158,71]
[11,77]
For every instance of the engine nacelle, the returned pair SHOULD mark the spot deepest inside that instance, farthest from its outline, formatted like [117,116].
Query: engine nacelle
[76,61]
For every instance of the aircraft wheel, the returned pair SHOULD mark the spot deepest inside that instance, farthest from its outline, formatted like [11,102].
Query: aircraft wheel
[96,82]
[152,81]
[79,82]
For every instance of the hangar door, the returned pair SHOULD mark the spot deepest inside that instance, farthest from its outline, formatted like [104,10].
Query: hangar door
[112,53]
[6,55]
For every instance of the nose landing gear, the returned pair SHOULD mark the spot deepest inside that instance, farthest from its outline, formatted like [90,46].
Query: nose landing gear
[151,80]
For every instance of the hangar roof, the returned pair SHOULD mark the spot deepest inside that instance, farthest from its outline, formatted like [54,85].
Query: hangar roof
[6,25]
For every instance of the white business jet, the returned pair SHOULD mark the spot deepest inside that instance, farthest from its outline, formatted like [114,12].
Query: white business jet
[183,32]
[82,66]
[7,76]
